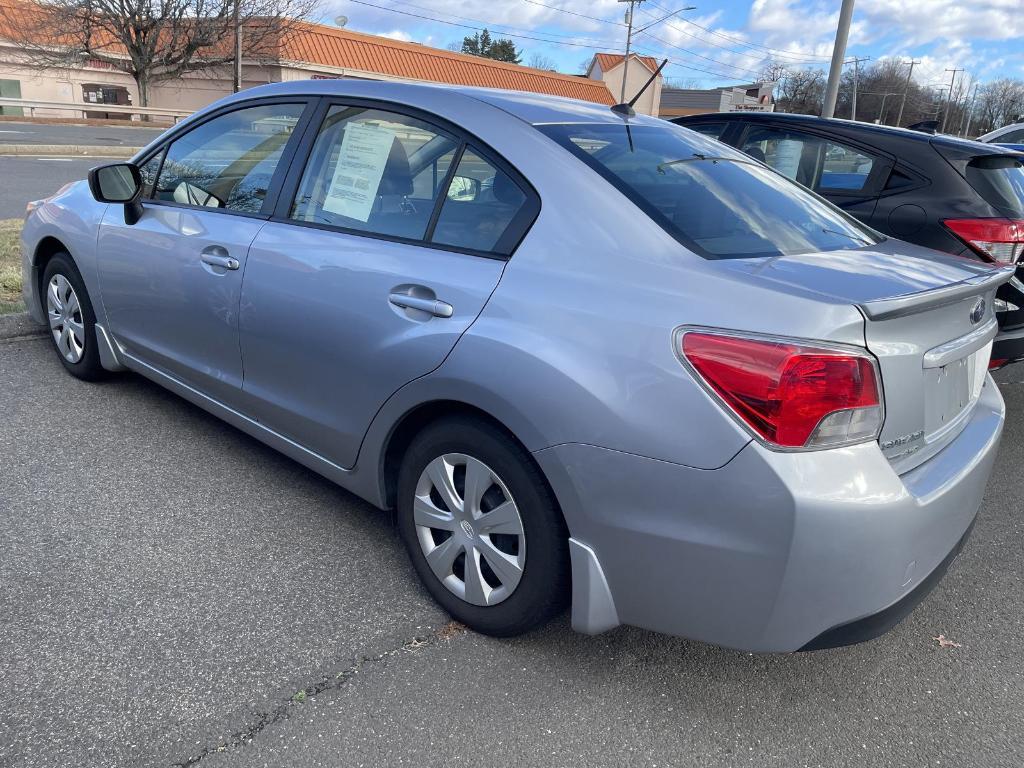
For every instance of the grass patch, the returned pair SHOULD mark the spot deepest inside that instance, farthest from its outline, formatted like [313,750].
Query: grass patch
[10,266]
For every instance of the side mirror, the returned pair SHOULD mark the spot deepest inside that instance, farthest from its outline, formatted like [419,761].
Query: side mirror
[463,189]
[118,183]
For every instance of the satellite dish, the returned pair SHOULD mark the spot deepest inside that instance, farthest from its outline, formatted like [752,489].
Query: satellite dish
[341,21]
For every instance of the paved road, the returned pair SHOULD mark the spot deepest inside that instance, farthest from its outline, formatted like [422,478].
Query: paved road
[172,592]
[30,178]
[87,135]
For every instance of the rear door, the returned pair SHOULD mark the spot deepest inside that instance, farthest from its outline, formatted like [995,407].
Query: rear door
[385,246]
[846,174]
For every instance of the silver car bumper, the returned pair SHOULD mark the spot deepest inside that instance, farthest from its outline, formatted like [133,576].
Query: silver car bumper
[774,550]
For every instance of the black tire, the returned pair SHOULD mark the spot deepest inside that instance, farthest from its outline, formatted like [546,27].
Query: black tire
[88,366]
[544,586]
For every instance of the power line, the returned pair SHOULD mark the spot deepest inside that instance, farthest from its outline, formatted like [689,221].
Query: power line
[674,63]
[777,51]
[476,28]
[574,13]
[701,56]
[499,28]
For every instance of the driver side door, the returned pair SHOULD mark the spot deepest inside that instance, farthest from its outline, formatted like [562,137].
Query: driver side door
[171,282]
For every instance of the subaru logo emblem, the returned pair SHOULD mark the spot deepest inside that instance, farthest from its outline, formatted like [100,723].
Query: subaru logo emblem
[978,311]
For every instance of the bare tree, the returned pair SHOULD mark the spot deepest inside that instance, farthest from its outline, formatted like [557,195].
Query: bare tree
[999,103]
[540,61]
[801,91]
[155,40]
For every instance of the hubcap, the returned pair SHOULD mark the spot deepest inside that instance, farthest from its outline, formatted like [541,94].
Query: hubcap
[65,315]
[469,529]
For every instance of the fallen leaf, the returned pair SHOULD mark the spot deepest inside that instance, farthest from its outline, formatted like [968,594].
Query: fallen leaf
[946,643]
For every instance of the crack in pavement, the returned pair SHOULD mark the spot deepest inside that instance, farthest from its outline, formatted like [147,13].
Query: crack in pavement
[330,682]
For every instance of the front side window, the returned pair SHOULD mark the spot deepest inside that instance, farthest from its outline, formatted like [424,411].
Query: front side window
[714,130]
[229,161]
[711,198]
[821,164]
[148,171]
[374,171]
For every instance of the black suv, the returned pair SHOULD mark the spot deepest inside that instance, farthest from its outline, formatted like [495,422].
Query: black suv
[954,195]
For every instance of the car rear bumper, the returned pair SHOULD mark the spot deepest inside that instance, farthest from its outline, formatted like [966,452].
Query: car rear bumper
[773,550]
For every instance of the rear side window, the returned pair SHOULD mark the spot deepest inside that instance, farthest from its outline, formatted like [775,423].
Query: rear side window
[374,171]
[1000,180]
[229,161]
[818,163]
[392,175]
[711,198]
[1013,137]
[481,203]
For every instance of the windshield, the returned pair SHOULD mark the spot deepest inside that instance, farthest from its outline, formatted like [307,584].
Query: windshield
[713,199]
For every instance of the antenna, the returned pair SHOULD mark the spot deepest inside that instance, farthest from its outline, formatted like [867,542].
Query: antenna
[626,109]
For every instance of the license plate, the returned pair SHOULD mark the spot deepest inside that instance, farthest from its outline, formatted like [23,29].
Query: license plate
[953,388]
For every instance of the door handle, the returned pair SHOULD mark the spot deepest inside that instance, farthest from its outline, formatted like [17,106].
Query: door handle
[217,257]
[435,307]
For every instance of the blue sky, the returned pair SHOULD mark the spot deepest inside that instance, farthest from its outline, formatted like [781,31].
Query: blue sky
[728,41]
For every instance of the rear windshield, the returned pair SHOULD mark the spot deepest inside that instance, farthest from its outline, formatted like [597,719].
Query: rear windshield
[716,201]
[1000,180]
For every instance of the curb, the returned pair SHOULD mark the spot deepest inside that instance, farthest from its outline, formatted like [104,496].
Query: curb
[19,325]
[67,150]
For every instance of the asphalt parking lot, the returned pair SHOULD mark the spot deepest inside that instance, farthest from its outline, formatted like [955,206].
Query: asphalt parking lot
[12,132]
[174,593]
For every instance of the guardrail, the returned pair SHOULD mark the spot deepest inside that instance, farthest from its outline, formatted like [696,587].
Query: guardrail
[31,105]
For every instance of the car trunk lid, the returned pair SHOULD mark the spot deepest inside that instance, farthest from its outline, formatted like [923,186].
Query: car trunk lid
[928,319]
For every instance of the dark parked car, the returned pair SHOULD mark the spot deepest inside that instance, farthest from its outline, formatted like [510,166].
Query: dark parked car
[954,195]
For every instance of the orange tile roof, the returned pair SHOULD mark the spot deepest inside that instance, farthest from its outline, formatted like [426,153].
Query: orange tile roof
[612,60]
[317,44]
[341,48]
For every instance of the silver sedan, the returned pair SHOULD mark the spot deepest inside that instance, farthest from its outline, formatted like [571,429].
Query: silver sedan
[590,358]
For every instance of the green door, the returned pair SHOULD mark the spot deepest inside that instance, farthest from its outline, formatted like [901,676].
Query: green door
[11,89]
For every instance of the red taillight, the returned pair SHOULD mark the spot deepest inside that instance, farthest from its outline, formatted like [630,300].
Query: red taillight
[999,240]
[995,363]
[793,396]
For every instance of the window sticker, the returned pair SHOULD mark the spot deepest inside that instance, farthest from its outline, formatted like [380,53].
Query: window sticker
[787,157]
[357,174]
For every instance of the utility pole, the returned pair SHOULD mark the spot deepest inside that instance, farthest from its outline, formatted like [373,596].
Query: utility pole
[881,111]
[237,74]
[828,109]
[949,99]
[629,42]
[968,114]
[906,89]
[629,38]
[856,76]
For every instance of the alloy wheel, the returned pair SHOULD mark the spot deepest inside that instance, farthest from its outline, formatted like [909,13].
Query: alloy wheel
[469,529]
[65,315]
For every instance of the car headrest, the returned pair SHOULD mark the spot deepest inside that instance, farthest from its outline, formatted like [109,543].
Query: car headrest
[397,177]
[506,190]
[756,153]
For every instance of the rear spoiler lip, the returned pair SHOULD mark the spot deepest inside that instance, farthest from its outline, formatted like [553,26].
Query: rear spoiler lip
[912,303]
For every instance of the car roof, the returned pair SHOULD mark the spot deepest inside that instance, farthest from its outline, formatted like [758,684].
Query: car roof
[846,127]
[993,135]
[533,108]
